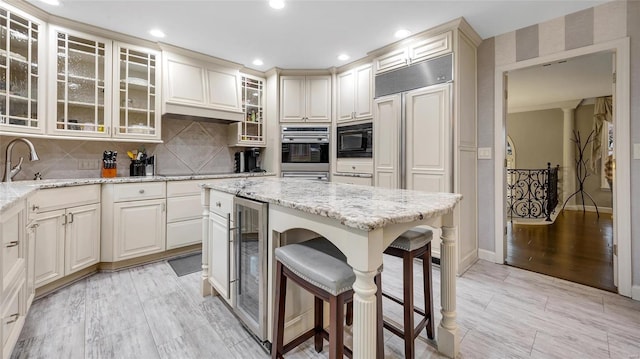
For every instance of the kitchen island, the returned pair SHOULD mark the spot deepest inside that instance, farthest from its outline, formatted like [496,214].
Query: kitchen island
[361,221]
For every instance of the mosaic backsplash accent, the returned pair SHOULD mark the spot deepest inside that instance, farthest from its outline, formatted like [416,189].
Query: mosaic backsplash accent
[190,147]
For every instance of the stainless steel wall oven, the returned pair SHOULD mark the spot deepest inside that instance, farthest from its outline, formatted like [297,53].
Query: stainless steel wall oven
[305,150]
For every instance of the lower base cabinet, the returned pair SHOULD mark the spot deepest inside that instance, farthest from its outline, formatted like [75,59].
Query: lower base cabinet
[139,228]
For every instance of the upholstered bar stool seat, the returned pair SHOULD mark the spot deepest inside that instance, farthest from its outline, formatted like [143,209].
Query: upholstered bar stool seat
[414,243]
[320,268]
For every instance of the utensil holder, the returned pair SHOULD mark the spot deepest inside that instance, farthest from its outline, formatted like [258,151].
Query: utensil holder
[137,168]
[109,172]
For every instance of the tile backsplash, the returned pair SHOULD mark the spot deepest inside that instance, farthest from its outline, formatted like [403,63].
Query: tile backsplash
[189,147]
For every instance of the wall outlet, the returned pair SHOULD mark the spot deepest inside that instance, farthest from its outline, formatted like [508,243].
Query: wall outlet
[88,164]
[484,153]
[636,151]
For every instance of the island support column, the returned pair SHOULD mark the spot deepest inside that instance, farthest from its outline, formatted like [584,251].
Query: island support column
[205,286]
[447,333]
[364,315]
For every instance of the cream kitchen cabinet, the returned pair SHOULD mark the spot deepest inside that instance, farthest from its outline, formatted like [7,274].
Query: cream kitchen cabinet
[305,98]
[67,236]
[355,94]
[220,247]
[22,84]
[364,181]
[251,131]
[415,51]
[201,88]
[184,213]
[354,165]
[133,220]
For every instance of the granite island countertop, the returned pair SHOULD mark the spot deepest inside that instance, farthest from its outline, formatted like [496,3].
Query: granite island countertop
[11,193]
[361,207]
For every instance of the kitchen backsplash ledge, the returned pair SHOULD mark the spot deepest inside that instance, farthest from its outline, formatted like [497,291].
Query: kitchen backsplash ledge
[189,147]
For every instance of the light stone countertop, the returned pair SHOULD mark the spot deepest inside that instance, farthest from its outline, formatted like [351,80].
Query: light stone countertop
[362,207]
[12,193]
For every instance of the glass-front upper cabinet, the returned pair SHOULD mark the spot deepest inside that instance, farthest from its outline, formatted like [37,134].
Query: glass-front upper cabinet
[250,132]
[137,97]
[81,76]
[21,82]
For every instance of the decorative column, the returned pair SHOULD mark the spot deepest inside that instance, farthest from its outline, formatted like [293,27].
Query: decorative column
[568,156]
[448,340]
[364,315]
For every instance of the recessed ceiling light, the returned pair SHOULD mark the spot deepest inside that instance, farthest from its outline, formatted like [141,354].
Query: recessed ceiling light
[258,62]
[51,2]
[276,4]
[402,33]
[157,33]
[343,57]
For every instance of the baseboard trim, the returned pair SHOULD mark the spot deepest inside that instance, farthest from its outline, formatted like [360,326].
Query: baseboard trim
[578,207]
[487,255]
[635,292]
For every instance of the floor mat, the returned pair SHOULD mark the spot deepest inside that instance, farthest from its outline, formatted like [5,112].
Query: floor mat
[186,265]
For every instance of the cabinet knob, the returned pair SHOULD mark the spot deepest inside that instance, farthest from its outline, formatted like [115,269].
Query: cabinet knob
[12,244]
[141,191]
[13,318]
[35,208]
[218,204]
[353,167]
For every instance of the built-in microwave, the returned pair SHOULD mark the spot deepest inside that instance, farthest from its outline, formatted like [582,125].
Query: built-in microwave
[355,141]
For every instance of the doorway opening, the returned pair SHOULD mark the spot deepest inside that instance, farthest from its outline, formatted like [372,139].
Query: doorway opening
[588,240]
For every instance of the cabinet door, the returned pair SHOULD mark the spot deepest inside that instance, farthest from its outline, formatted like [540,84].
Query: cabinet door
[220,254]
[49,247]
[136,94]
[185,82]
[292,98]
[363,97]
[346,98]
[318,98]
[31,263]
[432,47]
[82,242]
[80,73]
[393,60]
[386,130]
[223,89]
[428,143]
[139,228]
[21,70]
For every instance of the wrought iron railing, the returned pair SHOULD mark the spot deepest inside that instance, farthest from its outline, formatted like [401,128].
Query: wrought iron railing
[532,193]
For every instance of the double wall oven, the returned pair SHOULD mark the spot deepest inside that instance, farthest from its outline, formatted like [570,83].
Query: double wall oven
[305,152]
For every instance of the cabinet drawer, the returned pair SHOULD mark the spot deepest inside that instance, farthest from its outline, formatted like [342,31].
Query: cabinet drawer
[184,233]
[12,234]
[183,208]
[138,191]
[364,181]
[185,188]
[13,316]
[354,166]
[221,203]
[46,200]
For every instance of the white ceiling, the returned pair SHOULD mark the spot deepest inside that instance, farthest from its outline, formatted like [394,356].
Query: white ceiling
[306,34]
[560,84]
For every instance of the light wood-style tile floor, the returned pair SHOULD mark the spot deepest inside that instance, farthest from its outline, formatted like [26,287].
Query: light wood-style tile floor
[503,312]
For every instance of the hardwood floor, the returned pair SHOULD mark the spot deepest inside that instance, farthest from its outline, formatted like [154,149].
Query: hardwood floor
[577,247]
[503,312]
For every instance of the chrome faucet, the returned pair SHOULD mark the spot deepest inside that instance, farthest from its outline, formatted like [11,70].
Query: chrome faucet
[9,172]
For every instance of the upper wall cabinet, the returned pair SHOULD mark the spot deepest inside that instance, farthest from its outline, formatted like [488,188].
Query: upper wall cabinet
[136,92]
[414,52]
[102,89]
[80,68]
[21,80]
[355,94]
[305,98]
[198,88]
[251,131]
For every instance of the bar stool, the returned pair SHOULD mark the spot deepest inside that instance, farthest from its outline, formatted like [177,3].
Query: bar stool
[414,243]
[320,268]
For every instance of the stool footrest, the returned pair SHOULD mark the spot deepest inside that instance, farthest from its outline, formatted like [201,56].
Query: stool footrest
[400,331]
[299,340]
[399,301]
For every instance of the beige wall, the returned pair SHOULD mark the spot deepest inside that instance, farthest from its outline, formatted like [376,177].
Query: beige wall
[190,147]
[537,137]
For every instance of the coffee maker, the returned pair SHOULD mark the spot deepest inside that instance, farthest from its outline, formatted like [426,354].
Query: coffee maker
[247,160]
